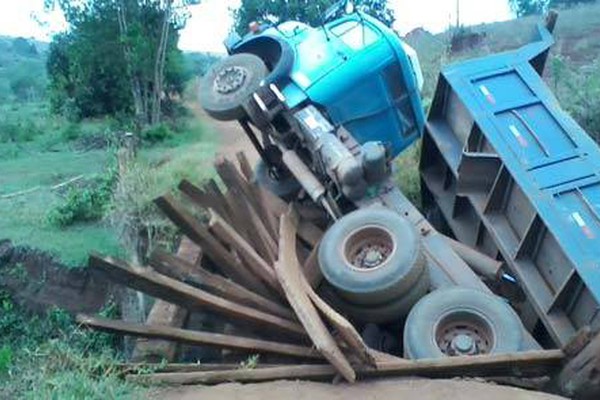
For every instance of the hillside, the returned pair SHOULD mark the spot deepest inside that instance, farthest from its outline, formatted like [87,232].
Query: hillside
[572,71]
[22,69]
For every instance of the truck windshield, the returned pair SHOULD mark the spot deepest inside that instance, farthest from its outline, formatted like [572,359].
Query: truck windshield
[355,34]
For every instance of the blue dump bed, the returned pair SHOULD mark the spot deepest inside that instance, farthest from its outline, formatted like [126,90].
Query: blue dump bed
[517,178]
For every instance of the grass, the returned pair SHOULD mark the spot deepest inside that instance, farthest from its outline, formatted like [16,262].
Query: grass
[49,357]
[49,159]
[23,218]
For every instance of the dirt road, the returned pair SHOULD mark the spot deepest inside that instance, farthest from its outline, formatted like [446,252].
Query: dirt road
[421,389]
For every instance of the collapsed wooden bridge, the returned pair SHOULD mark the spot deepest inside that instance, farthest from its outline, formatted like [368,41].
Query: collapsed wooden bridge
[251,258]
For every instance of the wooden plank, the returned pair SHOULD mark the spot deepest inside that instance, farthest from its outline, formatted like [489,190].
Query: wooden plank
[165,313]
[580,377]
[202,198]
[295,290]
[288,372]
[197,337]
[253,260]
[148,281]
[311,268]
[536,363]
[136,368]
[345,329]
[307,231]
[245,166]
[247,206]
[271,223]
[225,261]
[179,269]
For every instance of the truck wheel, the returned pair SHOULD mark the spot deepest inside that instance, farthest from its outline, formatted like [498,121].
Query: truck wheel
[286,187]
[459,322]
[371,256]
[229,83]
[393,311]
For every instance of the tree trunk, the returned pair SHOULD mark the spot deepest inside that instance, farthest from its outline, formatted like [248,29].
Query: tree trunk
[136,91]
[159,65]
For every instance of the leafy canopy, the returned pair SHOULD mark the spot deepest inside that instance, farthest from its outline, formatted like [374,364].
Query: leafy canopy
[110,46]
[308,11]
[530,7]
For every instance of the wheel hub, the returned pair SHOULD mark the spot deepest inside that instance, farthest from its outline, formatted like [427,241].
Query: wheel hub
[464,335]
[368,248]
[230,79]
[463,344]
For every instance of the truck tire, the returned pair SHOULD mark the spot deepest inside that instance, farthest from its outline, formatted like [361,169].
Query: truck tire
[392,311]
[286,187]
[229,83]
[371,256]
[461,321]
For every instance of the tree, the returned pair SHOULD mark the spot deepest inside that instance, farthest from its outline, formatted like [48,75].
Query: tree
[310,12]
[530,7]
[118,56]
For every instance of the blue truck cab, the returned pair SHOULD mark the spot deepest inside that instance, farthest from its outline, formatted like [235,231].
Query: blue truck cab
[354,69]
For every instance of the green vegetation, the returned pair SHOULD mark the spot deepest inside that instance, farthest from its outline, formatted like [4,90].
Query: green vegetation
[22,70]
[531,7]
[310,12]
[49,357]
[43,148]
[118,58]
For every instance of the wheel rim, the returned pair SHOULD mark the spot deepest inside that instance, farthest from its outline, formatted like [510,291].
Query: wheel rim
[464,333]
[230,79]
[368,248]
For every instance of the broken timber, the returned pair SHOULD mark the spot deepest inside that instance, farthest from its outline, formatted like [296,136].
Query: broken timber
[173,291]
[287,269]
[165,313]
[197,337]
[532,363]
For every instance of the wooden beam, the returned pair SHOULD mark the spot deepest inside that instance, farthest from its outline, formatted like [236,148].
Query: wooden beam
[253,260]
[269,219]
[247,207]
[287,268]
[148,281]
[177,268]
[197,338]
[346,330]
[580,377]
[307,231]
[311,268]
[534,363]
[202,198]
[165,313]
[229,265]
[245,166]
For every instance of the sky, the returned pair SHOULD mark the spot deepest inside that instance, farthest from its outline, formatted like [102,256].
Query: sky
[211,20]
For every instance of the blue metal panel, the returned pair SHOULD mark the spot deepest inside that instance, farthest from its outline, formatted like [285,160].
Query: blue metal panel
[551,158]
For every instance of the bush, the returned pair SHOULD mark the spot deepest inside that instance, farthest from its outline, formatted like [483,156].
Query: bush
[18,130]
[70,132]
[578,91]
[5,359]
[85,204]
[156,134]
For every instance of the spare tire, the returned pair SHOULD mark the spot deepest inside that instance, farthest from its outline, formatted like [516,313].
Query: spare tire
[229,83]
[371,256]
[460,321]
